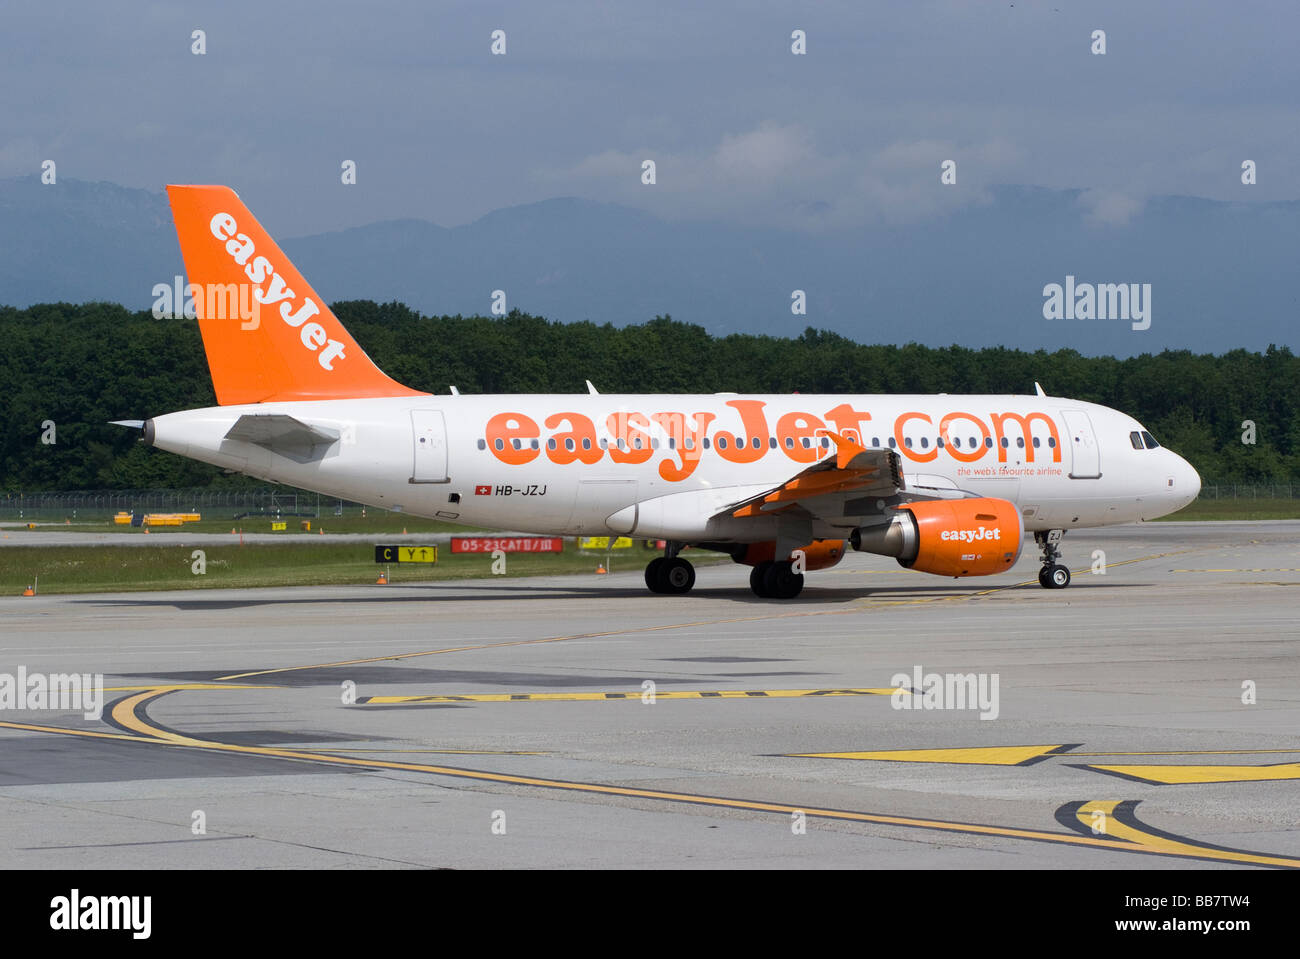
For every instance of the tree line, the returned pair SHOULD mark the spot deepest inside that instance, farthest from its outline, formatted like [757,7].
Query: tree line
[74,367]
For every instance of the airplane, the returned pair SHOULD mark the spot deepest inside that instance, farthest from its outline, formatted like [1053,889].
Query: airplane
[946,484]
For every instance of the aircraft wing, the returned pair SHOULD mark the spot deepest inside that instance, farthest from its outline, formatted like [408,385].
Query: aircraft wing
[827,489]
[283,434]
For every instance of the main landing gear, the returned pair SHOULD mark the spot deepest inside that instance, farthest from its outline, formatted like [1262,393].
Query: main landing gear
[771,580]
[1053,575]
[670,573]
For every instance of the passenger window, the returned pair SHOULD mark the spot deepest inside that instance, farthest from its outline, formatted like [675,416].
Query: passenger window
[907,441]
[722,442]
[1051,442]
[1035,442]
[806,444]
[586,442]
[550,444]
[534,444]
[956,441]
[1005,444]
[499,444]
[875,441]
[826,442]
[1151,440]
[893,444]
[771,442]
[789,442]
[925,442]
[988,442]
[1020,442]
[757,443]
[568,443]
[706,442]
[482,444]
[516,444]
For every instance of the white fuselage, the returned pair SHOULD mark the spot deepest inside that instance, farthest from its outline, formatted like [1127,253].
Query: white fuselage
[664,465]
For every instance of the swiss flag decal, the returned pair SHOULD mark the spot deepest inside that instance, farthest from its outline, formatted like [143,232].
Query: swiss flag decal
[482,490]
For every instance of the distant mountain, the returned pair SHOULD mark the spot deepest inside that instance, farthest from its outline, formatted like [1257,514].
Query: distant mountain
[1222,274]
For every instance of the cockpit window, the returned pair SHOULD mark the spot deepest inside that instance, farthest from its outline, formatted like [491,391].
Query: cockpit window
[1150,440]
[1136,439]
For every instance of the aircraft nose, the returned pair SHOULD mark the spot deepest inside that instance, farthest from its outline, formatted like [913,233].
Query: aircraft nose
[1187,482]
[1193,480]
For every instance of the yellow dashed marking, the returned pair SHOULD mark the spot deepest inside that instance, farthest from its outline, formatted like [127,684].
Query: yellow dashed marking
[1266,569]
[132,689]
[630,695]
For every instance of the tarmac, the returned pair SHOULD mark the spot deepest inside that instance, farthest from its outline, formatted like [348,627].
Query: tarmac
[1145,717]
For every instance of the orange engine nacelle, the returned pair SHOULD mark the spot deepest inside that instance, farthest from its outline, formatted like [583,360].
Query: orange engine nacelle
[949,537]
[819,554]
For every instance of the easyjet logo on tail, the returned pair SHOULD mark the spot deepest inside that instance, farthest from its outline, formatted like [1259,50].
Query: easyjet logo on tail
[260,270]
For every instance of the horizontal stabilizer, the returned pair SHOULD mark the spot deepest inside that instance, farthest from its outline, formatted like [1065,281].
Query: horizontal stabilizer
[283,434]
[129,424]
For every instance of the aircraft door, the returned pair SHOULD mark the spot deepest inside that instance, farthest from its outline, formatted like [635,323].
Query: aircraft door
[429,434]
[1083,445]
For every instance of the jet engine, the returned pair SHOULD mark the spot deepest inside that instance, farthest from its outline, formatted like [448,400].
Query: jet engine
[948,537]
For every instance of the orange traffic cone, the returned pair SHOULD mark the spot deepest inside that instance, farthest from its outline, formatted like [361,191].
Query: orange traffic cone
[146,531]
[382,580]
[29,591]
[403,530]
[232,531]
[601,568]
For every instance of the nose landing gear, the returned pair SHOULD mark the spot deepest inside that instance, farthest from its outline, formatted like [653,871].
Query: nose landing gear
[1053,575]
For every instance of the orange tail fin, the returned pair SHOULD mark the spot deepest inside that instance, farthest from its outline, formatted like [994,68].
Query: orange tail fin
[267,334]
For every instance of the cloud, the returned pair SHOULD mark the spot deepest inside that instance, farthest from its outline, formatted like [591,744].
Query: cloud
[1104,207]
[777,175]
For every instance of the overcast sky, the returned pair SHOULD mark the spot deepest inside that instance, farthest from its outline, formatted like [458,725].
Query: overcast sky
[741,130]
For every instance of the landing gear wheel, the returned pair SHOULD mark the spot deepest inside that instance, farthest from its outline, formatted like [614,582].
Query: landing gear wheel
[654,574]
[676,576]
[782,582]
[1053,575]
[756,578]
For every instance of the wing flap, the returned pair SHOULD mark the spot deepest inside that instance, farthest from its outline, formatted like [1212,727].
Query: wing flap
[852,470]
